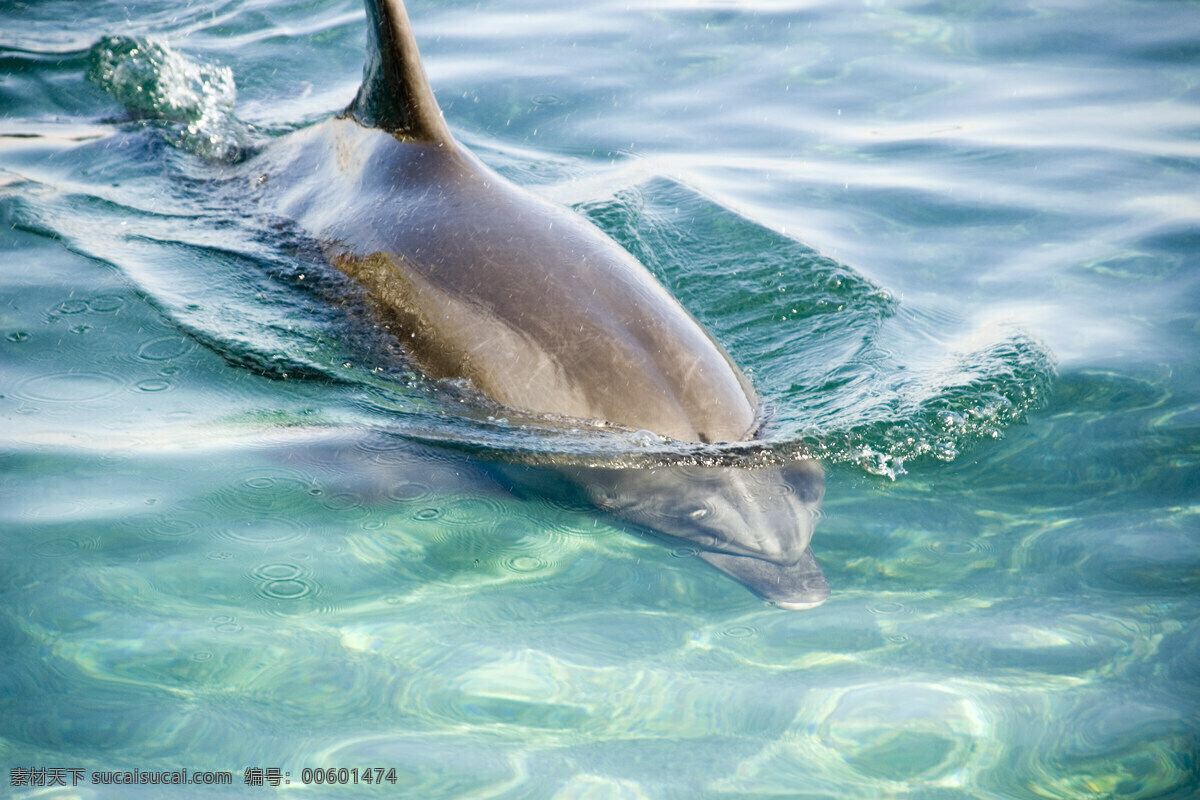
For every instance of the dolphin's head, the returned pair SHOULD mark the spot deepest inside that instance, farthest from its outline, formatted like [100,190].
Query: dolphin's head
[753,523]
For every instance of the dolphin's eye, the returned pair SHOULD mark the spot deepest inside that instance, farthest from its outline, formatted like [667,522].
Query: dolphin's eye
[700,513]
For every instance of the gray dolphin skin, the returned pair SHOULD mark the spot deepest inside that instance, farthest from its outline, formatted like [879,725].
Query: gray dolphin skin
[537,309]
[754,524]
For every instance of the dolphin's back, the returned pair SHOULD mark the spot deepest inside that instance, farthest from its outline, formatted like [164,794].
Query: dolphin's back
[483,281]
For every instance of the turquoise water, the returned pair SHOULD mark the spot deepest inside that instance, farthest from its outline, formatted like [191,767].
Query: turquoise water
[954,245]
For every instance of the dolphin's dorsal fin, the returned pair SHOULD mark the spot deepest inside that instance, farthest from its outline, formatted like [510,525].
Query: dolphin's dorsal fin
[395,95]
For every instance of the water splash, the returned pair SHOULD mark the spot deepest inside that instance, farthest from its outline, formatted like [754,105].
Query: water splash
[974,397]
[194,101]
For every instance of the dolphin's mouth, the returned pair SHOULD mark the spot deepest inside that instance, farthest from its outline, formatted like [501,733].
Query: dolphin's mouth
[796,587]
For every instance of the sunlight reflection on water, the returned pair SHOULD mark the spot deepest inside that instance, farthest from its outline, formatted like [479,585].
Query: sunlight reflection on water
[211,565]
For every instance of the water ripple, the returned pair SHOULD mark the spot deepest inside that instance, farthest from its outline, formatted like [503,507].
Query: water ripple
[165,348]
[268,492]
[69,387]
[260,531]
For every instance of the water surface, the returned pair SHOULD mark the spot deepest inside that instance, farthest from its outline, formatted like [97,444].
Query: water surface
[953,246]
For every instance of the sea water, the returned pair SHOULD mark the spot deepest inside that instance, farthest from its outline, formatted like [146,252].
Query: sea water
[955,247]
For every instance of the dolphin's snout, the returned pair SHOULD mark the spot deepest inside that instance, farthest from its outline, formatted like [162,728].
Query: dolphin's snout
[797,586]
[799,605]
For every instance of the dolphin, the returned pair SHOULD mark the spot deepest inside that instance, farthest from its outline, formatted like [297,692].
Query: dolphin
[537,309]
[752,523]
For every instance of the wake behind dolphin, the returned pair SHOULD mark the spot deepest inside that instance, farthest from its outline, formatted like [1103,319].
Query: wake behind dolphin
[537,309]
